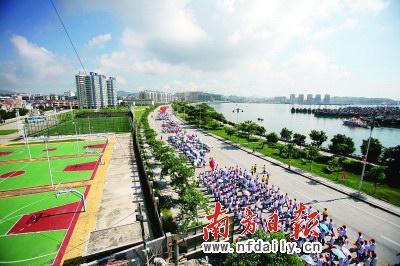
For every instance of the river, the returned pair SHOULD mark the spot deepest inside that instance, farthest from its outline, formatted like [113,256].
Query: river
[278,116]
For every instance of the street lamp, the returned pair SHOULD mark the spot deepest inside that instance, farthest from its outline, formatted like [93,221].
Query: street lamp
[372,125]
[237,110]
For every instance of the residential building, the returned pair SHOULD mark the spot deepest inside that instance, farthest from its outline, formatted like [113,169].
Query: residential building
[300,99]
[309,99]
[327,99]
[91,90]
[292,98]
[317,99]
[156,96]
[112,91]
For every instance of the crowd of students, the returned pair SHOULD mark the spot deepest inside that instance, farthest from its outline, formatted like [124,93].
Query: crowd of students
[236,189]
[191,146]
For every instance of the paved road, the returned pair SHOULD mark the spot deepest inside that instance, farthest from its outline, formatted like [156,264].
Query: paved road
[358,216]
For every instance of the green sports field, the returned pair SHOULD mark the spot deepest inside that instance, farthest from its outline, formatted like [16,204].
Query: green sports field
[37,173]
[39,248]
[35,227]
[20,152]
[83,126]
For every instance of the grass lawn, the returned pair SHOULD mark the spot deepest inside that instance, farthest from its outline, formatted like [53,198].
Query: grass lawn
[383,192]
[139,111]
[37,173]
[20,152]
[38,248]
[7,131]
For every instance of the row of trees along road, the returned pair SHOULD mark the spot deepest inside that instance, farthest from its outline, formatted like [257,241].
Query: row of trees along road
[384,163]
[181,173]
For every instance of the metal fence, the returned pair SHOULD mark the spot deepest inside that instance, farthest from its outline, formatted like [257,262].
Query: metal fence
[80,123]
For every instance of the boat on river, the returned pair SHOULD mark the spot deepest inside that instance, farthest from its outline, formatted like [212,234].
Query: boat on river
[355,122]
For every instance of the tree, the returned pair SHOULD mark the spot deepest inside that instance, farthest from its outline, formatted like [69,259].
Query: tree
[260,130]
[191,201]
[317,137]
[375,149]
[391,159]
[250,259]
[249,127]
[299,139]
[229,131]
[180,175]
[312,153]
[286,134]
[376,174]
[342,145]
[335,164]
[272,138]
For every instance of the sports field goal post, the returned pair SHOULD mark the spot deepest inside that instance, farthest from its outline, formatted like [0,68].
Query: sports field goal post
[73,191]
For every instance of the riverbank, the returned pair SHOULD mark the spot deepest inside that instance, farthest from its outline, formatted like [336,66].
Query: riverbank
[318,166]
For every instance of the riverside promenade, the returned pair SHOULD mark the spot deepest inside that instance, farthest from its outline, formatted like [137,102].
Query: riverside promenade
[359,216]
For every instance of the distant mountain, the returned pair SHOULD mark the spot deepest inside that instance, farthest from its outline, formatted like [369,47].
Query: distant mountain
[123,93]
[6,92]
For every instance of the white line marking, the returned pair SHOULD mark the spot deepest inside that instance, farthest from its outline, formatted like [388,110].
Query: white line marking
[16,261]
[390,240]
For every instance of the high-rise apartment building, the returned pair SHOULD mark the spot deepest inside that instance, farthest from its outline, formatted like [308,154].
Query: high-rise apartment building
[156,96]
[309,99]
[292,98]
[92,90]
[317,99]
[112,91]
[327,99]
[300,99]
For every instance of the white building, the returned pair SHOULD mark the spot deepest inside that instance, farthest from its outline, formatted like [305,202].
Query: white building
[112,91]
[91,90]
[156,96]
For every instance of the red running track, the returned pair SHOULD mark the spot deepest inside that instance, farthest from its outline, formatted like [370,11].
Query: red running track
[3,153]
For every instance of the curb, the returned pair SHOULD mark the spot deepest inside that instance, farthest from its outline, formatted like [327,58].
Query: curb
[327,184]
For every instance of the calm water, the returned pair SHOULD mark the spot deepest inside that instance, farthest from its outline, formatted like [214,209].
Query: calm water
[278,116]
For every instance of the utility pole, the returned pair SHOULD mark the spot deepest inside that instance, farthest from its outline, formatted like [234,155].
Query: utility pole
[372,124]
[140,218]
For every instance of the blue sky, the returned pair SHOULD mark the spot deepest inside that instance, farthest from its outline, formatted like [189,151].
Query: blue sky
[234,47]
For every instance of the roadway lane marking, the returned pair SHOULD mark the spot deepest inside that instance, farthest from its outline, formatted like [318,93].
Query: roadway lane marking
[390,240]
[367,212]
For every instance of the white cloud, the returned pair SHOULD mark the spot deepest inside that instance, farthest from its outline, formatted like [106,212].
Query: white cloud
[38,60]
[315,65]
[35,67]
[228,5]
[185,43]
[349,23]
[133,39]
[99,40]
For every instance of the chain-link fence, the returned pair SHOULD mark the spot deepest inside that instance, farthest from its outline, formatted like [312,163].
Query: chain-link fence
[80,122]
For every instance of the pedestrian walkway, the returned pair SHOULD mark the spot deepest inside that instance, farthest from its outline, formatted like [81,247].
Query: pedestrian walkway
[116,223]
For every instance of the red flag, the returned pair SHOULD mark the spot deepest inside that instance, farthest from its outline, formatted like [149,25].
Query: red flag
[212,163]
